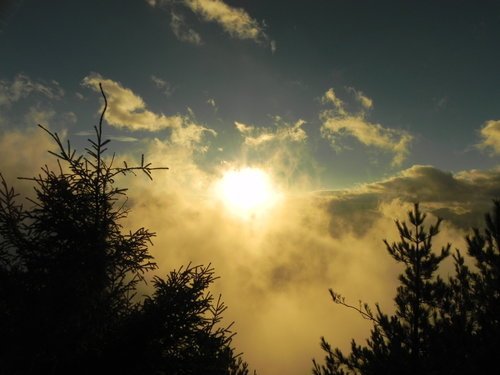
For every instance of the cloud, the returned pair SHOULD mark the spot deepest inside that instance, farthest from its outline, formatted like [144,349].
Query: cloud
[191,136]
[460,197]
[365,101]
[257,136]
[128,110]
[163,85]
[22,86]
[284,261]
[235,21]
[23,153]
[339,123]
[182,31]
[490,134]
[118,138]
[212,103]
[331,97]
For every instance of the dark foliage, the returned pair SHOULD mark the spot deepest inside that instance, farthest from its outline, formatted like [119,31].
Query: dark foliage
[440,326]
[69,274]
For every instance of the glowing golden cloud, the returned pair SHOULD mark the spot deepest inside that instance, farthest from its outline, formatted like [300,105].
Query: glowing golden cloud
[246,192]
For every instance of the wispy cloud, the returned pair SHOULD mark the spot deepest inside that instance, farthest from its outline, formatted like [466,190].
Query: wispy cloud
[182,31]
[163,85]
[257,136]
[339,122]
[22,86]
[490,136]
[234,21]
[118,138]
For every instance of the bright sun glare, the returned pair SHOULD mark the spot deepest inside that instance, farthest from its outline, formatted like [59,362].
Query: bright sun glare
[247,192]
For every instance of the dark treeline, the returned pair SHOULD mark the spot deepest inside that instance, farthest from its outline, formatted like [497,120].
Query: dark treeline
[69,275]
[440,326]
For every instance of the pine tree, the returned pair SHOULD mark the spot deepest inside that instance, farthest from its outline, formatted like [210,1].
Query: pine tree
[398,344]
[69,274]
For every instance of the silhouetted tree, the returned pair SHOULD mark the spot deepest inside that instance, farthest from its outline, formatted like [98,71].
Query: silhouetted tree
[178,328]
[470,328]
[69,274]
[399,344]
[440,326]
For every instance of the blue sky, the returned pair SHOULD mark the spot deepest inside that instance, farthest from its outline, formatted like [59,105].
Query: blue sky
[429,68]
[353,109]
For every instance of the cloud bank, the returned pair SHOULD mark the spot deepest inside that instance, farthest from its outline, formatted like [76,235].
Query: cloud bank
[276,268]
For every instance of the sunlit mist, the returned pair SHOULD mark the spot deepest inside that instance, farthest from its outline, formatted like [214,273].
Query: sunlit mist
[247,192]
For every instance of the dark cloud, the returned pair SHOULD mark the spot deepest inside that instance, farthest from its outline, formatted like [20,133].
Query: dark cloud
[462,198]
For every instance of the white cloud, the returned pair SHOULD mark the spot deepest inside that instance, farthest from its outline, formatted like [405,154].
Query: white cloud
[338,123]
[36,116]
[212,103]
[257,136]
[332,98]
[365,101]
[22,86]
[118,138]
[182,31]
[163,85]
[235,21]
[191,136]
[128,110]
[490,134]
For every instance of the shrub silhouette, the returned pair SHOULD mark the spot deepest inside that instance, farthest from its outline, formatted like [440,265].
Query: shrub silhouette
[69,274]
[440,326]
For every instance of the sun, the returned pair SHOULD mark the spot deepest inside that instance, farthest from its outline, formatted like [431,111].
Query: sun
[247,192]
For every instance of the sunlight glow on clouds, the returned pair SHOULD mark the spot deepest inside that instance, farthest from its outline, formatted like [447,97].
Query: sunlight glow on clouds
[128,110]
[309,243]
[235,21]
[256,136]
[246,192]
[490,134]
[338,123]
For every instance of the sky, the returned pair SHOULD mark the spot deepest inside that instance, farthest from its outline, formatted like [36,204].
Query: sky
[295,132]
